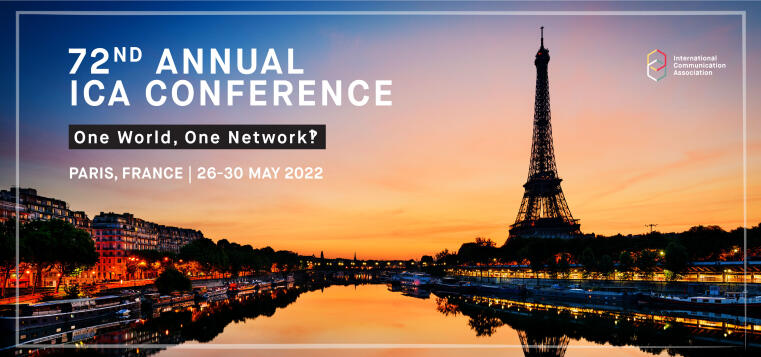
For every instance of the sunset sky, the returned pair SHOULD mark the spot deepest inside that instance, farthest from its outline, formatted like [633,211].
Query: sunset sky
[443,165]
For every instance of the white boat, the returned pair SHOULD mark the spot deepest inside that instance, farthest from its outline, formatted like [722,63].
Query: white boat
[215,292]
[414,279]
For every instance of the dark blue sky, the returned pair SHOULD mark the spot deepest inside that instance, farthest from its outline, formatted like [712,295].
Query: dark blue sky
[45,79]
[109,30]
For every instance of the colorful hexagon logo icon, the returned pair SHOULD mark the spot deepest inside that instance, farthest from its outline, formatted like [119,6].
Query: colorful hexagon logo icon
[656,65]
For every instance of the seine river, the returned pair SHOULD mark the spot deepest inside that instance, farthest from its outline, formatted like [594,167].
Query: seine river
[376,320]
[372,314]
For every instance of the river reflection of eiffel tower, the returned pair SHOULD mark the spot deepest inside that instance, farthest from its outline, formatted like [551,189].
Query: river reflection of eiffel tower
[536,344]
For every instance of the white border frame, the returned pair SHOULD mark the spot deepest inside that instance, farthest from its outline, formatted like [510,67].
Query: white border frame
[742,14]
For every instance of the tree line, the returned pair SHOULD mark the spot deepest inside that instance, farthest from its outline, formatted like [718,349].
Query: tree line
[221,259]
[205,257]
[229,258]
[45,246]
[59,246]
[602,255]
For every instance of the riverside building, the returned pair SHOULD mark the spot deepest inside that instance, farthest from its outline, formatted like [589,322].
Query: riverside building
[33,207]
[36,207]
[8,211]
[116,235]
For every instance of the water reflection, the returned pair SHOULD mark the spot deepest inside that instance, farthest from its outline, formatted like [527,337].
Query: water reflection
[546,329]
[199,323]
[538,343]
[376,314]
[485,323]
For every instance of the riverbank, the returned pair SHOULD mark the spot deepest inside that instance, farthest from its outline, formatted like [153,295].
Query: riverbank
[665,287]
[115,287]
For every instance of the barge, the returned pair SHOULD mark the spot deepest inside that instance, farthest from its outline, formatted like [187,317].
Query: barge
[69,311]
[734,303]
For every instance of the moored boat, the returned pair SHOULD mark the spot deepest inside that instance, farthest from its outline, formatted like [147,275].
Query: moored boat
[263,285]
[155,301]
[453,285]
[416,292]
[500,290]
[414,279]
[69,310]
[124,313]
[243,288]
[216,293]
[278,282]
[577,294]
[732,303]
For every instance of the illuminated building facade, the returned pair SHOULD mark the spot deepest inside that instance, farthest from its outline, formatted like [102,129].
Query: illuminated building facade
[33,207]
[8,211]
[171,239]
[36,207]
[117,234]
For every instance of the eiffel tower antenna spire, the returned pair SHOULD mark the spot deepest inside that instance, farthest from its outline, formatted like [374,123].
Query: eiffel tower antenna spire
[544,212]
[541,29]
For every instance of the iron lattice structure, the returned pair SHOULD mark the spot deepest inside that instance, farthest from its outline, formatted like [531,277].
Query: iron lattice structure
[544,211]
[543,346]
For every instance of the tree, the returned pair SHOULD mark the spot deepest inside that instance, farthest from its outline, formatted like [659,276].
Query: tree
[588,260]
[38,249]
[551,267]
[646,263]
[202,251]
[236,256]
[537,253]
[266,256]
[248,259]
[171,280]
[482,251]
[564,265]
[705,242]
[484,242]
[446,257]
[286,260]
[605,265]
[426,259]
[676,259]
[132,264]
[72,291]
[484,323]
[227,257]
[58,245]
[74,248]
[514,248]
[626,264]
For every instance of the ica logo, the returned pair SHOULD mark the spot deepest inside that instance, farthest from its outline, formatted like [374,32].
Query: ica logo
[656,65]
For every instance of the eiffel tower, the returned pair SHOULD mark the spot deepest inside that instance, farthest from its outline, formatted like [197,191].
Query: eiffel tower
[544,212]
